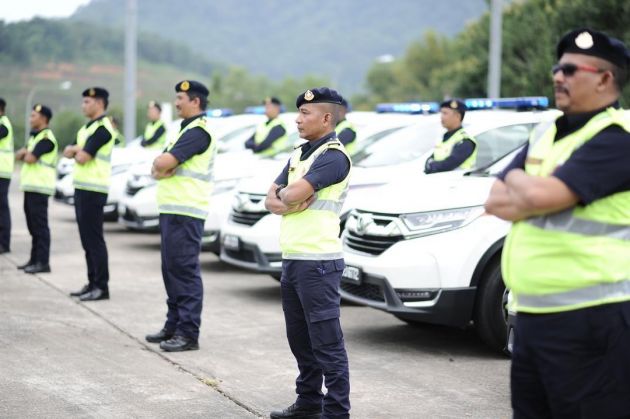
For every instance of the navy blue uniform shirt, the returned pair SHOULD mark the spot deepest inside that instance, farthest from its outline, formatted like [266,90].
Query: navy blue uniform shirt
[329,168]
[346,135]
[4,131]
[43,146]
[460,152]
[599,168]
[97,140]
[194,141]
[158,133]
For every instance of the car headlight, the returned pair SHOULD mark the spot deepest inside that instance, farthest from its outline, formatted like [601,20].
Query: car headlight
[433,222]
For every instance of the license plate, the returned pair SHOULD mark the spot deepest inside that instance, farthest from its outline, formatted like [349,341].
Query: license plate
[351,274]
[231,242]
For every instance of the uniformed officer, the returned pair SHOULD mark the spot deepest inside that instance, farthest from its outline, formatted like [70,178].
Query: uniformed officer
[567,257]
[309,194]
[119,138]
[37,180]
[6,170]
[184,173]
[270,136]
[154,136]
[457,150]
[346,132]
[92,172]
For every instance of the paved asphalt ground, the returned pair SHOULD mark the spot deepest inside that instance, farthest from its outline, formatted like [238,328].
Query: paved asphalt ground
[60,358]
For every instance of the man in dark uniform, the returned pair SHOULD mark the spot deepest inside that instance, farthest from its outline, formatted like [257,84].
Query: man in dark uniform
[6,170]
[270,136]
[92,171]
[457,150]
[37,180]
[346,132]
[154,136]
[309,194]
[184,173]
[567,257]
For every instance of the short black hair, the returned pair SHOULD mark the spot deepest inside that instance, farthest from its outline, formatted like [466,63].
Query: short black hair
[620,76]
[3,104]
[155,104]
[203,99]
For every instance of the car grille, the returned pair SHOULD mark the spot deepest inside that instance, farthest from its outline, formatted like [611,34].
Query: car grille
[245,255]
[247,218]
[249,212]
[367,291]
[131,190]
[374,245]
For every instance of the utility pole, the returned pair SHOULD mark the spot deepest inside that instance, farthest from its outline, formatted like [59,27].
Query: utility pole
[494,55]
[131,59]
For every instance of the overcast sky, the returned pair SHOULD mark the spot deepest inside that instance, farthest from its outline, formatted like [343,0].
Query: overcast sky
[14,10]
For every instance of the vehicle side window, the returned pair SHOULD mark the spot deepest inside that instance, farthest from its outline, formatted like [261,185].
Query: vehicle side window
[498,142]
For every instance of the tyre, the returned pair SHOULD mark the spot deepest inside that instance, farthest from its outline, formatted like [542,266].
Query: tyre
[490,315]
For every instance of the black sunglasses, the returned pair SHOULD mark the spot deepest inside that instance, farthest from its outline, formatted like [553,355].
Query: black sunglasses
[569,69]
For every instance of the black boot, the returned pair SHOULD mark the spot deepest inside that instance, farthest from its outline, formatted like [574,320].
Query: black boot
[296,412]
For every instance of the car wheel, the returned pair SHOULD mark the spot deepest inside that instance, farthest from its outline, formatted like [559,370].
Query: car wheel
[491,308]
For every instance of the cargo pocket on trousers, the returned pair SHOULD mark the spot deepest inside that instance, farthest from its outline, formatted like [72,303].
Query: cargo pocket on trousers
[325,327]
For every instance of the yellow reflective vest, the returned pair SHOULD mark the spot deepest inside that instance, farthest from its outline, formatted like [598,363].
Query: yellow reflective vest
[150,130]
[7,159]
[444,149]
[576,258]
[188,191]
[313,234]
[40,176]
[351,147]
[263,131]
[95,174]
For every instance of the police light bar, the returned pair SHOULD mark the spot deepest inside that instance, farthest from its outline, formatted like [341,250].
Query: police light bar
[219,112]
[410,107]
[519,103]
[256,110]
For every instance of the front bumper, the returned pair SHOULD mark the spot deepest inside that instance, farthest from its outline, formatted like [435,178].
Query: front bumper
[250,257]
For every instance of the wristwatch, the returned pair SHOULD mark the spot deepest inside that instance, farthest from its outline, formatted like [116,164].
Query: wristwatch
[278,189]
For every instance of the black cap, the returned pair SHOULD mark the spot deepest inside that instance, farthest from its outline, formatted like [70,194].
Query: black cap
[191,86]
[96,92]
[3,104]
[273,100]
[345,103]
[455,104]
[44,110]
[319,95]
[597,44]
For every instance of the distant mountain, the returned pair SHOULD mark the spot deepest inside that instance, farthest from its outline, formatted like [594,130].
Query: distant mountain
[338,39]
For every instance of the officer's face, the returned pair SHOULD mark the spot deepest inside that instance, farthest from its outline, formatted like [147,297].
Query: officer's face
[37,120]
[90,107]
[450,118]
[153,113]
[579,92]
[271,110]
[185,106]
[313,120]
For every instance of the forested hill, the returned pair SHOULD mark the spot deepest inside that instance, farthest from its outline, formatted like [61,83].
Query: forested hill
[337,39]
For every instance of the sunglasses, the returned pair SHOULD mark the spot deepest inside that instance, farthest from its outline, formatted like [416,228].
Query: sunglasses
[569,69]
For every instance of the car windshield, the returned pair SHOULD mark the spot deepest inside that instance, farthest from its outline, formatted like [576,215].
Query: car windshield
[400,146]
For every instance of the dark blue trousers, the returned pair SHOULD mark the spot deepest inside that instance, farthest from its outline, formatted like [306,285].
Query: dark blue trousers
[88,207]
[36,212]
[5,214]
[181,245]
[574,364]
[310,300]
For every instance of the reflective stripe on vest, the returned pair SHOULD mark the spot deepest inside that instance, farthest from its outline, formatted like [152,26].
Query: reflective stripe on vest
[7,158]
[577,257]
[188,191]
[444,149]
[313,234]
[351,146]
[263,131]
[150,130]
[95,174]
[40,176]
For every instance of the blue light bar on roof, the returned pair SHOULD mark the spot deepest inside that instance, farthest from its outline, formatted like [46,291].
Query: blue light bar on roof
[219,112]
[410,107]
[532,102]
[256,110]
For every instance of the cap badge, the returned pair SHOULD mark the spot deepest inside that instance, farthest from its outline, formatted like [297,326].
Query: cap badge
[92,92]
[185,85]
[309,95]
[38,108]
[584,40]
[453,104]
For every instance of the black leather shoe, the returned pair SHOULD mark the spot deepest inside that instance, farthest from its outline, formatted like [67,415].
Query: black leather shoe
[24,265]
[160,336]
[94,295]
[37,268]
[295,412]
[82,291]
[178,344]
